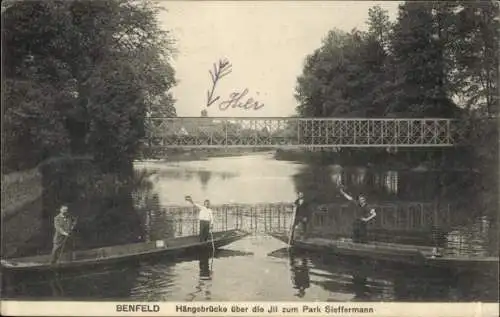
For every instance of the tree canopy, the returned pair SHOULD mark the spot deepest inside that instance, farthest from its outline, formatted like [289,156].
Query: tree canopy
[437,59]
[80,77]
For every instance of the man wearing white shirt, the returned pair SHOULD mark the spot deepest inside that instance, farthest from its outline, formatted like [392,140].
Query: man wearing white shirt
[205,216]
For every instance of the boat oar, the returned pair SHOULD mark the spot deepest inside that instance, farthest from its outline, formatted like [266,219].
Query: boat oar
[292,228]
[213,244]
[213,250]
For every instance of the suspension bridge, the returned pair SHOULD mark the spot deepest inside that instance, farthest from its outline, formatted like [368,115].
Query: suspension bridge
[246,132]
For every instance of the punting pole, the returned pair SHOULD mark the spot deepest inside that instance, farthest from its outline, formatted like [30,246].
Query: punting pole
[213,249]
[66,239]
[292,227]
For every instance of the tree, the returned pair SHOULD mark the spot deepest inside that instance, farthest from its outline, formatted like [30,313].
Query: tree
[422,62]
[320,88]
[342,78]
[85,73]
[477,38]
[379,26]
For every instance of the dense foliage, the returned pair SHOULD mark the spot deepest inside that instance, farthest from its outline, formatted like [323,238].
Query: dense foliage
[438,59]
[80,77]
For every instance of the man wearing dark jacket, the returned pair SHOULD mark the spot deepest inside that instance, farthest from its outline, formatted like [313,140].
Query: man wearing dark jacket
[363,215]
[63,225]
[301,213]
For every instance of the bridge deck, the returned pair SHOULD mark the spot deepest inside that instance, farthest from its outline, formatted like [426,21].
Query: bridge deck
[301,132]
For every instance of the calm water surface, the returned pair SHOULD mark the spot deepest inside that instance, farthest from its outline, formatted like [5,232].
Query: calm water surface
[243,179]
[259,267]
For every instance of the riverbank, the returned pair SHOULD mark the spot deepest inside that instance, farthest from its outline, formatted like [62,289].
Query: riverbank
[403,160]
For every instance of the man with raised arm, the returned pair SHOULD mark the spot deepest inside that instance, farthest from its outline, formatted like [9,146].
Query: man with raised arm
[205,216]
[363,215]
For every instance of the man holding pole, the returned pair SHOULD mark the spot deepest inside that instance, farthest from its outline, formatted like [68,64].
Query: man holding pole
[300,216]
[301,213]
[205,216]
[63,225]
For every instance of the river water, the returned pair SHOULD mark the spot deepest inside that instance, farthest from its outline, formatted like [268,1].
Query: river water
[259,267]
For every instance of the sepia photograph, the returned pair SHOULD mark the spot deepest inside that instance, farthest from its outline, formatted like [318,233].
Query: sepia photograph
[329,152]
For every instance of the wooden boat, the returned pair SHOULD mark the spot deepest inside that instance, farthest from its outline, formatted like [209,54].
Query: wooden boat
[391,252]
[123,253]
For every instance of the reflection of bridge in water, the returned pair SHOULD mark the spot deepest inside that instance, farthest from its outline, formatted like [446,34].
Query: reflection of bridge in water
[408,222]
[301,132]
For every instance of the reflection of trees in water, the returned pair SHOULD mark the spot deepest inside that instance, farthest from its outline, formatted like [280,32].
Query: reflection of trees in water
[316,184]
[350,276]
[84,285]
[378,280]
[321,183]
[154,282]
[204,177]
[429,285]
[424,286]
[382,184]
[227,175]
[188,174]
[157,223]
[475,239]
[369,281]
[444,200]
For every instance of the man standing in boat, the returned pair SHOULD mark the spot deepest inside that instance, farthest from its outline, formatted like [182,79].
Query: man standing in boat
[301,213]
[63,225]
[363,215]
[205,217]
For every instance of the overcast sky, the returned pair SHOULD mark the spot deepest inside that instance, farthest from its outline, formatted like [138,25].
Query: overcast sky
[265,41]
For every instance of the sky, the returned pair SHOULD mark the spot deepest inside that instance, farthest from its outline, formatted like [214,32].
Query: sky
[266,43]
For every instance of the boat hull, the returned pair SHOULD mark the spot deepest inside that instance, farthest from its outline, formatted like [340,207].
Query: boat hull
[124,253]
[391,252]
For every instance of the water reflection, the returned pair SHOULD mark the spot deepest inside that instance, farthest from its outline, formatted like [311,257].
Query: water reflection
[224,179]
[107,283]
[154,281]
[203,287]
[362,280]
[401,185]
[300,274]
[204,265]
[204,178]
[413,200]
[202,291]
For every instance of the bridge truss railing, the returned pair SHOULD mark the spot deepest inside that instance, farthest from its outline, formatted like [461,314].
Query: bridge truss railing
[301,132]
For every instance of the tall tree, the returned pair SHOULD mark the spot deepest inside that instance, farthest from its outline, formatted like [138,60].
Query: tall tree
[476,38]
[379,25]
[342,78]
[81,76]
[421,61]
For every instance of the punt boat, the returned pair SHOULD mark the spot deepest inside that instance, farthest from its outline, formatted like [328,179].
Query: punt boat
[123,253]
[391,252]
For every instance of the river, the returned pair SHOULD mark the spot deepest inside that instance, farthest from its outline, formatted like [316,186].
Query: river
[259,267]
